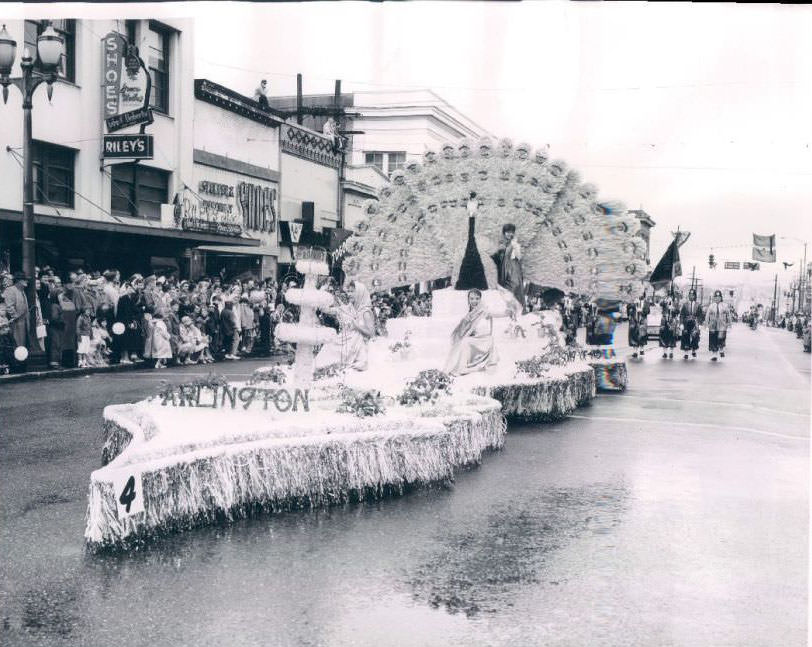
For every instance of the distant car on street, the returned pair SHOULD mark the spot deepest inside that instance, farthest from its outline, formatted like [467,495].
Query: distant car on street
[653,326]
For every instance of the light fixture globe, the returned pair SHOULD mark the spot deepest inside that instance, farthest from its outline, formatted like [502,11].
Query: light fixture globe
[49,48]
[8,50]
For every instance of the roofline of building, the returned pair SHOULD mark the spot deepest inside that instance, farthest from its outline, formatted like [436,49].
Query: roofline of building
[454,114]
[228,99]
[370,166]
[360,187]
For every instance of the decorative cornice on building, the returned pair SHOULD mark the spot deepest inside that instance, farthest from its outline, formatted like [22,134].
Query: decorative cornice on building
[309,145]
[351,186]
[235,166]
[222,97]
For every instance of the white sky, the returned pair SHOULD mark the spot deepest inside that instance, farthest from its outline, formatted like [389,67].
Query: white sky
[701,114]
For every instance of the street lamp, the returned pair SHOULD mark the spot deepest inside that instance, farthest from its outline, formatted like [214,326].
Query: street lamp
[49,51]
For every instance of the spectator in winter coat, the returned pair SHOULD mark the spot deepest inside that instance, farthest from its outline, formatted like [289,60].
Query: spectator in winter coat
[246,325]
[211,328]
[130,313]
[229,330]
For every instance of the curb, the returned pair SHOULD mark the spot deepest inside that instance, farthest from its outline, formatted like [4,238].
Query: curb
[33,376]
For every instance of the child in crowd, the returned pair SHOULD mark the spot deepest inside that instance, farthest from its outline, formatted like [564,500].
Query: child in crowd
[100,343]
[161,347]
[84,332]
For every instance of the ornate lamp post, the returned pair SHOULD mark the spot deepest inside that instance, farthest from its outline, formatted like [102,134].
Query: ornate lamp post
[49,50]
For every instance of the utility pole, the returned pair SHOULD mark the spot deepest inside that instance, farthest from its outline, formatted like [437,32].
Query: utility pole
[775,296]
[337,106]
[299,99]
[804,281]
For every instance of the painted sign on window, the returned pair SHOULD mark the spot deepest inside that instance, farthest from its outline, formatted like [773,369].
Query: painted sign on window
[257,205]
[243,207]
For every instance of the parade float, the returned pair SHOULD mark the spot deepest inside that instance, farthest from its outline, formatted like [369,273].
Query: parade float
[418,231]
[213,450]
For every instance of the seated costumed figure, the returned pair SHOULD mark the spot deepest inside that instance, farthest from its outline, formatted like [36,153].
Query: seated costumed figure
[356,325]
[472,345]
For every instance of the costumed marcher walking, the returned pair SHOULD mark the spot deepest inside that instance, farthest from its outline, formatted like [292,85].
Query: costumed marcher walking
[690,317]
[638,315]
[669,329]
[718,319]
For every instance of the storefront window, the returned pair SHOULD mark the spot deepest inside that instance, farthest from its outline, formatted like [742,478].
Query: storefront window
[65,28]
[53,174]
[156,52]
[138,191]
[374,159]
[397,160]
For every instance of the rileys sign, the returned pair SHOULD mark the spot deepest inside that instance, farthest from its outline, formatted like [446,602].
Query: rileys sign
[125,84]
[127,146]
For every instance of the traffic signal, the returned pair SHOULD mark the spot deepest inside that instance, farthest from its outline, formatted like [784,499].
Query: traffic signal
[711,261]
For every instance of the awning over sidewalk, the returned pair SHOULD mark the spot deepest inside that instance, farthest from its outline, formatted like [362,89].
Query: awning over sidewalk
[144,228]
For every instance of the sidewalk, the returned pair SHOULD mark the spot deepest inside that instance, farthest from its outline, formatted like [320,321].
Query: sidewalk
[113,368]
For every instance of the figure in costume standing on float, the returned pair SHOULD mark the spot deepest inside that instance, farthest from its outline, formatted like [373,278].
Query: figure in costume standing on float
[508,261]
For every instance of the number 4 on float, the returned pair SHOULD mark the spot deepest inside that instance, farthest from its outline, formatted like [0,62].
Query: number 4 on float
[129,493]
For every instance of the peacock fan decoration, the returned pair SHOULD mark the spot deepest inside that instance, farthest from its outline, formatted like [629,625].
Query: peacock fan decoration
[419,228]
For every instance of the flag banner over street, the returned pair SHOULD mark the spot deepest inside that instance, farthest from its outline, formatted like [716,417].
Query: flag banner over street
[764,248]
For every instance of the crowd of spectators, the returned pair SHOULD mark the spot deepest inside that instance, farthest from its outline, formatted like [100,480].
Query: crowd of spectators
[799,324]
[89,319]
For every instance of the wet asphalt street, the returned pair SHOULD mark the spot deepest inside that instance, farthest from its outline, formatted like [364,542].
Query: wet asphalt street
[673,514]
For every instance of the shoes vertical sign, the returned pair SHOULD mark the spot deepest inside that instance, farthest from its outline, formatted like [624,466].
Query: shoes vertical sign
[126,89]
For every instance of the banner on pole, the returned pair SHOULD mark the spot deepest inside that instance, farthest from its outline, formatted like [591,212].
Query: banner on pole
[764,248]
[668,267]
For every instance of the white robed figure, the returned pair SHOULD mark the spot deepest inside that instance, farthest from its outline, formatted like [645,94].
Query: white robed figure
[356,324]
[472,344]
